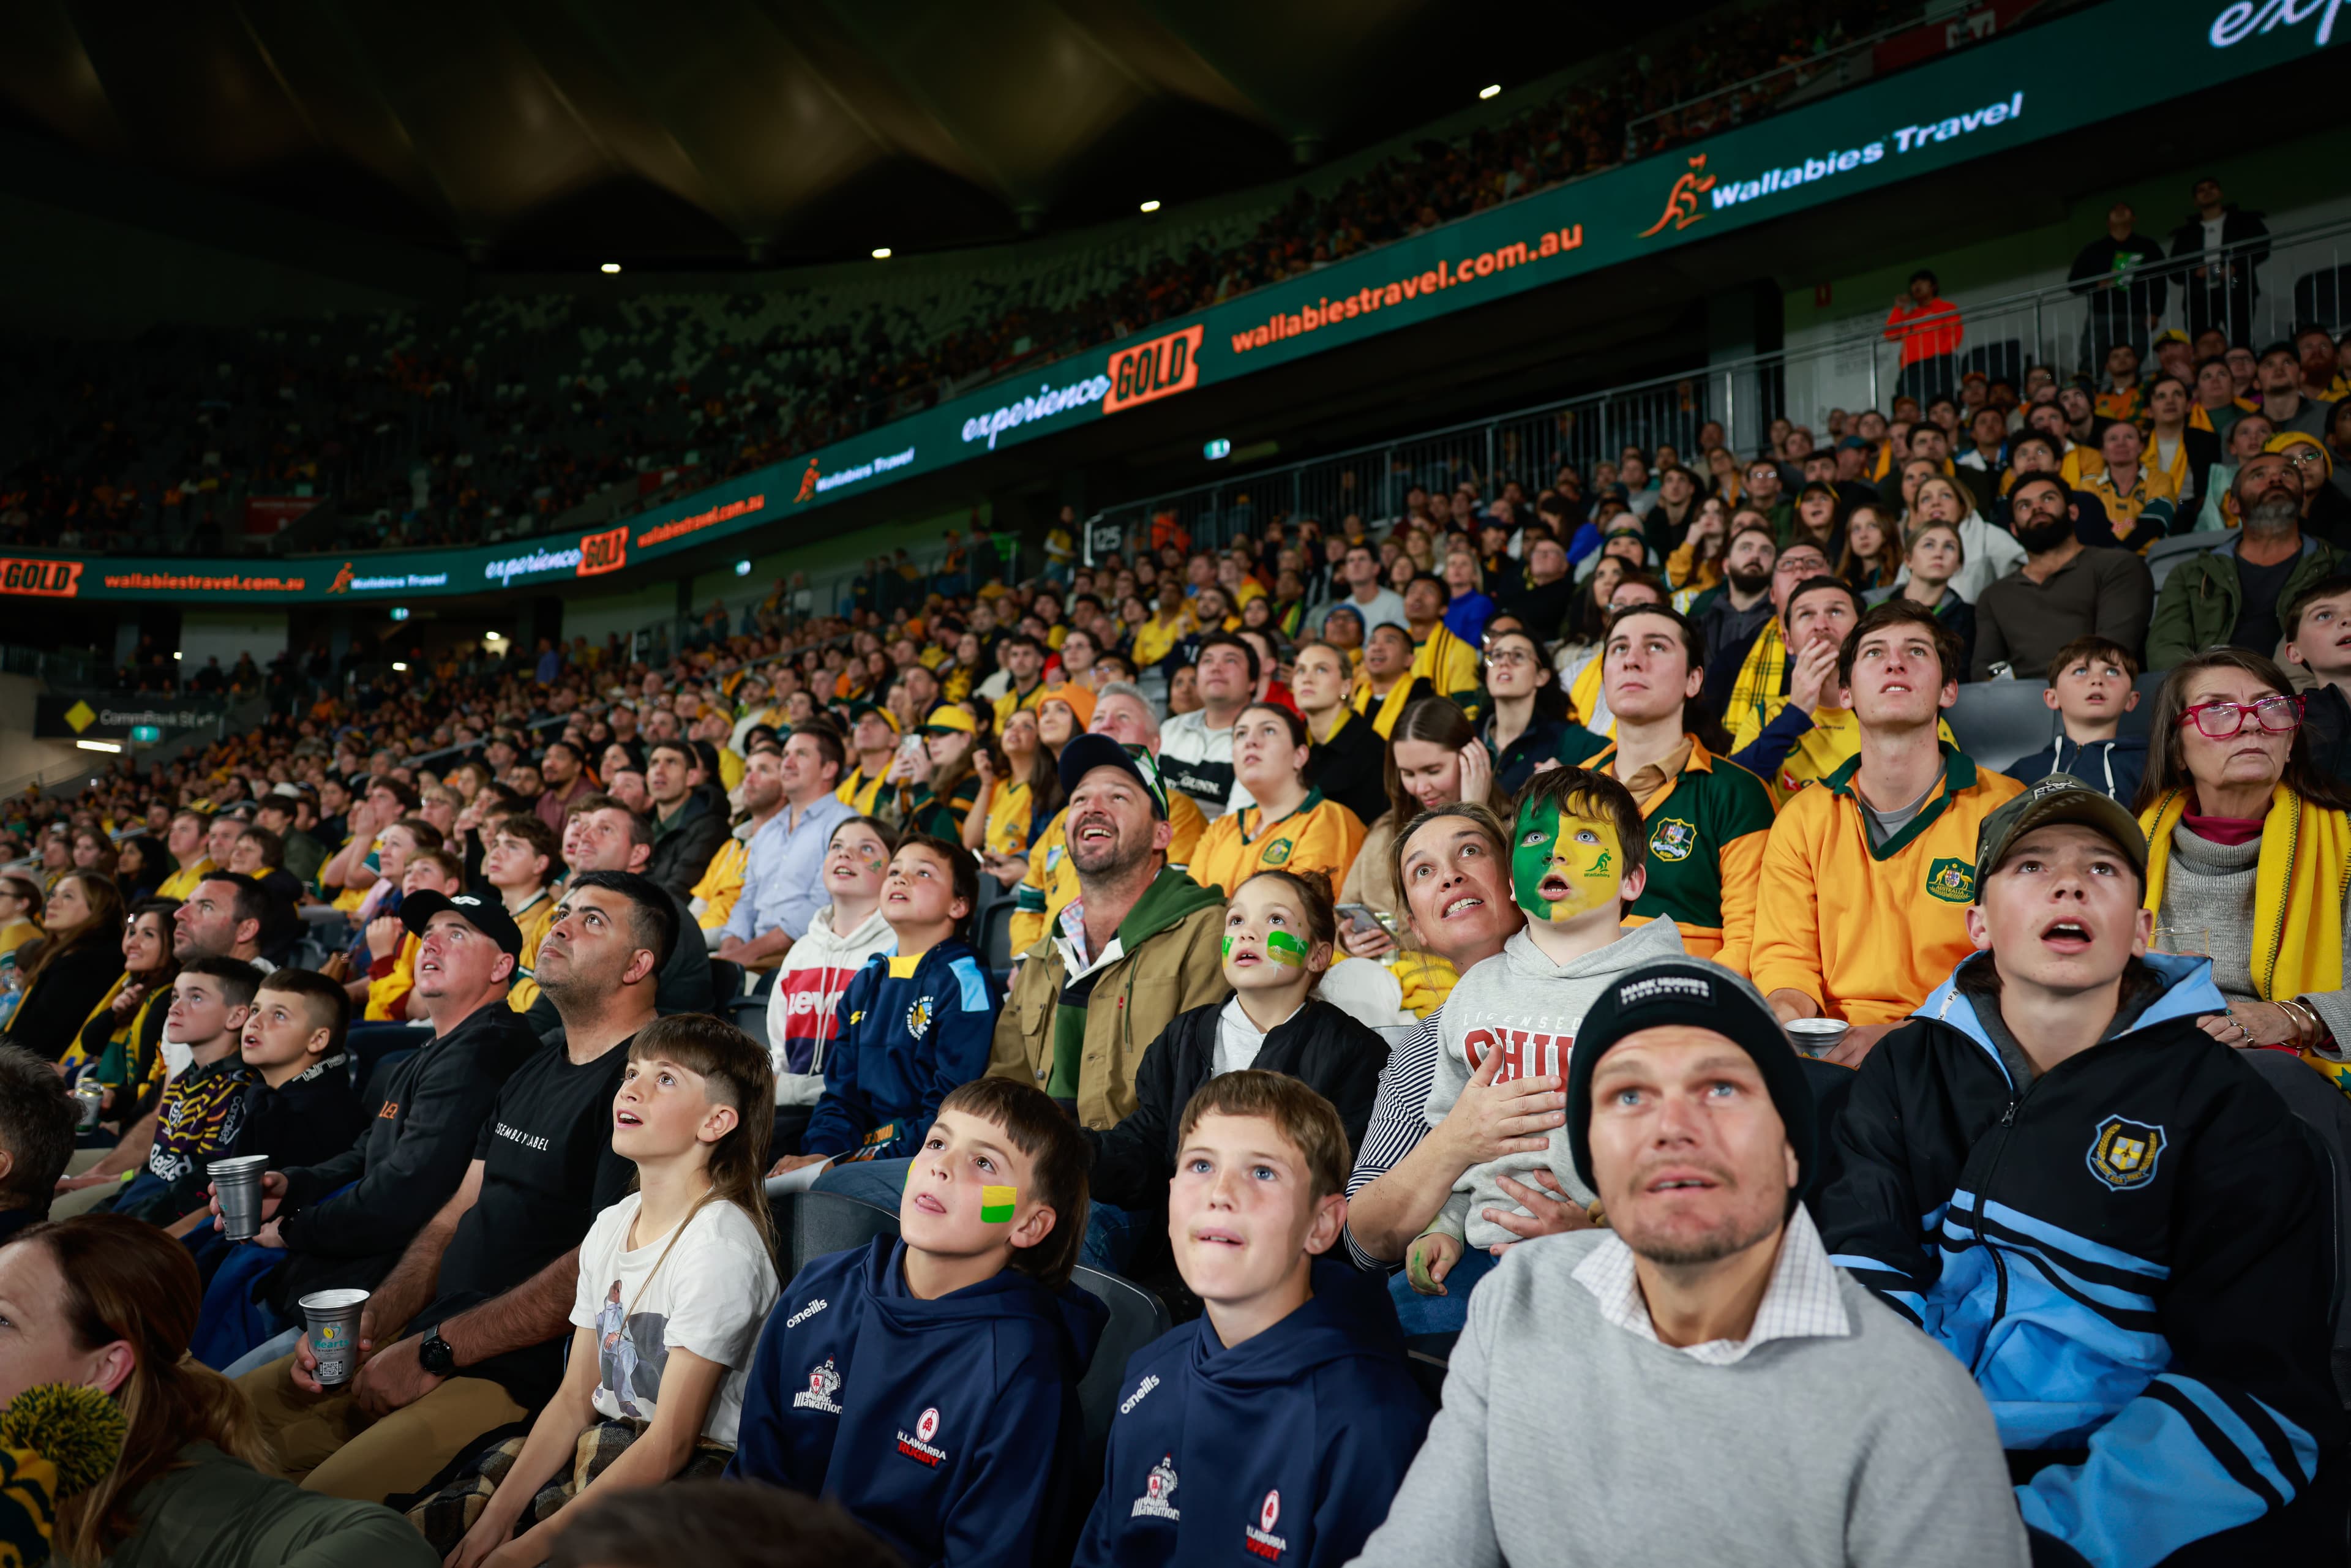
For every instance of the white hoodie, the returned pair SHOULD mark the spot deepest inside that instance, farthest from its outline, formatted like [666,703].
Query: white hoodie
[801,1022]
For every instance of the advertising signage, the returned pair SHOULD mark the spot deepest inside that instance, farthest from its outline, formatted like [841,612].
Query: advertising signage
[2004,94]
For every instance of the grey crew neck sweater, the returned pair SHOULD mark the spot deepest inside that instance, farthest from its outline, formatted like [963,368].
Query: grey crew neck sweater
[1566,1441]
[2213,885]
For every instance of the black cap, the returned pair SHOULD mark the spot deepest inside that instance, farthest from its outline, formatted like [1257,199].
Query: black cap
[2060,797]
[1084,753]
[1703,996]
[486,915]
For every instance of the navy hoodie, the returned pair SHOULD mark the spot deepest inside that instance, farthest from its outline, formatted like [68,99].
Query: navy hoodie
[2112,767]
[950,1427]
[1286,1448]
[911,1030]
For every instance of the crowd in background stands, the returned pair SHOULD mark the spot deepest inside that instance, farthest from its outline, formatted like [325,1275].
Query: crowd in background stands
[1222,919]
[453,440]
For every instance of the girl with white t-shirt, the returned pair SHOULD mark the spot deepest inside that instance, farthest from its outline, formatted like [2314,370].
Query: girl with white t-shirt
[675,1282]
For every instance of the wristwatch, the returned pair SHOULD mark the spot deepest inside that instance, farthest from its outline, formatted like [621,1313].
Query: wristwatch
[435,1357]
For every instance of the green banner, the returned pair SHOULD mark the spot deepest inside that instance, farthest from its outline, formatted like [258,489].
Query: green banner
[2045,81]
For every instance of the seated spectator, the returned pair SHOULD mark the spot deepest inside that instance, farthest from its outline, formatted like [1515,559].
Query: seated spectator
[104,1301]
[20,920]
[1731,615]
[1195,748]
[520,865]
[392,943]
[1708,1319]
[2231,597]
[1286,1411]
[78,963]
[1786,722]
[1988,553]
[2318,638]
[1375,605]
[1934,556]
[201,1110]
[1278,936]
[795,810]
[611,838]
[687,828]
[918,1018]
[1740,672]
[1578,863]
[1867,877]
[1434,759]
[188,833]
[927,1383]
[2248,436]
[2247,841]
[2091,686]
[1704,817]
[1345,754]
[1440,656]
[120,1048]
[676,1278]
[1133,917]
[1019,793]
[2064,592]
[939,786]
[341,1222]
[1288,822]
[2140,501]
[1051,882]
[804,1006]
[2196,1217]
[37,1120]
[466,1332]
[1529,721]
[873,736]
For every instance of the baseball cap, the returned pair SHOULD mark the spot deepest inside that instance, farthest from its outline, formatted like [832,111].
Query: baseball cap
[1700,994]
[486,915]
[859,710]
[949,718]
[2060,797]
[1084,753]
[2171,335]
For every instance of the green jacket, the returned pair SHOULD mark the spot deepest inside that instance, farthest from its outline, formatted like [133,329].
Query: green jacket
[1170,960]
[210,1510]
[2199,604]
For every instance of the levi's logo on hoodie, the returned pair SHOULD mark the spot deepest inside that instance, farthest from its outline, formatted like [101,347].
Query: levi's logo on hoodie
[1526,1053]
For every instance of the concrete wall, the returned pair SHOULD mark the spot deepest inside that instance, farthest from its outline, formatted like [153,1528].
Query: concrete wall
[225,634]
[21,756]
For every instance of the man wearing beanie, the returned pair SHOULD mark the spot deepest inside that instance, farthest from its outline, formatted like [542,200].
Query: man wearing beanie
[2123,1237]
[1697,1384]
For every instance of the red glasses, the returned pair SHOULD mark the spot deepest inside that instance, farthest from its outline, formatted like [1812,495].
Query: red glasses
[2221,720]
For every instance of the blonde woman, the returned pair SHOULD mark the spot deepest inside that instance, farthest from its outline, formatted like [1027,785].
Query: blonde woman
[1991,553]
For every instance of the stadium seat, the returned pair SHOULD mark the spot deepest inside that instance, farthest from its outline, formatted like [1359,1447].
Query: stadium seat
[2164,555]
[996,939]
[1136,1318]
[2325,1115]
[725,979]
[368,1045]
[816,1223]
[1998,722]
[749,1014]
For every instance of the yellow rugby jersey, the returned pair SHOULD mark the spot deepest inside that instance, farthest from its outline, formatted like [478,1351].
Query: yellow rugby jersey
[1320,835]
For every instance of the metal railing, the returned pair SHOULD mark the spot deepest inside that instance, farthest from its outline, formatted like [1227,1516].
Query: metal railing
[2271,285]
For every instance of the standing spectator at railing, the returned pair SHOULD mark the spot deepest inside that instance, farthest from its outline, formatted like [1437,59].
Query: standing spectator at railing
[2218,280]
[2121,275]
[1927,327]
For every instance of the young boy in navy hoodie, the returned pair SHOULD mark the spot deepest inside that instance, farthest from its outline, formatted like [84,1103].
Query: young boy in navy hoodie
[1277,1427]
[928,1383]
[914,1024]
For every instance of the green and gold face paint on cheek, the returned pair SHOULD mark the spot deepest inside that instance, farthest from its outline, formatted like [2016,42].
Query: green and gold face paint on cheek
[1283,948]
[997,1203]
[1563,865]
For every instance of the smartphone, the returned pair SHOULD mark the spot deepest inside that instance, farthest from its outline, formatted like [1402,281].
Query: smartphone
[912,746]
[1364,918]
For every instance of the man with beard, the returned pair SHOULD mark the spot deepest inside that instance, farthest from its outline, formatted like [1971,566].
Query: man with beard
[1734,613]
[2231,597]
[2065,590]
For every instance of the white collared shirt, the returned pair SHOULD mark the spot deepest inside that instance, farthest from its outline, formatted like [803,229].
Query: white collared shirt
[1802,1300]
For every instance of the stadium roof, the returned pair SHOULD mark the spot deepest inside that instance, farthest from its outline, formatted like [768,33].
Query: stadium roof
[721,132]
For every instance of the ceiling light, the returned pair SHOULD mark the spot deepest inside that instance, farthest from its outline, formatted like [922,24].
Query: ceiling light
[1484,92]
[742,568]
[881,252]
[1151,207]
[178,655]
[399,667]
[114,746]
[494,636]
[609,267]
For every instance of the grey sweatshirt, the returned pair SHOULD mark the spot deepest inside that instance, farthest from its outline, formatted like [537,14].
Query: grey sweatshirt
[1521,1003]
[2211,885]
[1567,1442]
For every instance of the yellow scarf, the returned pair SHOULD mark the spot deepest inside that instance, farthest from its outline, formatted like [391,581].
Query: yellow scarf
[1584,697]
[1761,677]
[2298,889]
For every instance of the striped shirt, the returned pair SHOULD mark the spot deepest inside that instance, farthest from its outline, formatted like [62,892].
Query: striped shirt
[1399,1119]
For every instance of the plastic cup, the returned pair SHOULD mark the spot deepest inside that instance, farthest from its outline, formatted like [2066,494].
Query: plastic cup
[238,1184]
[332,1318]
[1817,1037]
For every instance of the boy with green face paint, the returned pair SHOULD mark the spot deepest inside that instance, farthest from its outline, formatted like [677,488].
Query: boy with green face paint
[1577,862]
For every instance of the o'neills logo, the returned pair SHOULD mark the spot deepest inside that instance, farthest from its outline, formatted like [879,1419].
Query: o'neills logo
[42,579]
[1161,368]
[2245,18]
[917,1443]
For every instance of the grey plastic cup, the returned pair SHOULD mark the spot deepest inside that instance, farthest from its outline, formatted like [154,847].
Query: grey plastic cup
[1817,1037]
[332,1320]
[237,1182]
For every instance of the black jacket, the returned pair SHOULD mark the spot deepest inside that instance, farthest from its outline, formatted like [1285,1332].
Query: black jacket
[1333,1054]
[1348,769]
[56,1004]
[400,1171]
[2131,1252]
[2237,227]
[682,852]
[2107,259]
[311,1118]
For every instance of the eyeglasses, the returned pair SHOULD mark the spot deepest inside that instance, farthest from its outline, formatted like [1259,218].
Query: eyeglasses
[2221,720]
[1511,659]
[2302,454]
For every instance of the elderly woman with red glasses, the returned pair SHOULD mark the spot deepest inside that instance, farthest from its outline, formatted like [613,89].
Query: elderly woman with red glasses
[2249,855]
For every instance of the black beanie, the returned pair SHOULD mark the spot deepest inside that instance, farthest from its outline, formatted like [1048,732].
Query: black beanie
[1703,996]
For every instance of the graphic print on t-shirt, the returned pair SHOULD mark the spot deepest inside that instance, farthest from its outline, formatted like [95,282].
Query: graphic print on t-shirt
[1526,1053]
[630,1354]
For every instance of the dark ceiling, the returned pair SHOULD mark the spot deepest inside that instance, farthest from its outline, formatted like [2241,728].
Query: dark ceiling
[535,134]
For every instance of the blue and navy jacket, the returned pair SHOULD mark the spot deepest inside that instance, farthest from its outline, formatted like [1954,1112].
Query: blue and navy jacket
[1285,1449]
[2112,767]
[2130,1254]
[950,1427]
[907,1032]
